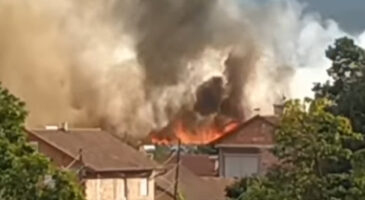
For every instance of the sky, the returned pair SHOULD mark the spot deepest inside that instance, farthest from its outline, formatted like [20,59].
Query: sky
[350,14]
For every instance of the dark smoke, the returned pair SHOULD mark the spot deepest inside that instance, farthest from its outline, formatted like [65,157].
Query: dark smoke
[169,35]
[213,96]
[209,96]
[134,65]
[238,69]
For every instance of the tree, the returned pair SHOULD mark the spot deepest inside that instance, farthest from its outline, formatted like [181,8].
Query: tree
[308,142]
[24,173]
[347,86]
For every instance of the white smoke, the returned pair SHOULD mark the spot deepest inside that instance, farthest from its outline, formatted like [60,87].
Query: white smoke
[76,61]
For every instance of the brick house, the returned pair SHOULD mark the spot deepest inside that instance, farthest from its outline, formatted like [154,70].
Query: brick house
[246,150]
[108,168]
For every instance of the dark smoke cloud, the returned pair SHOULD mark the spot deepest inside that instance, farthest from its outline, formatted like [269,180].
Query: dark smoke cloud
[170,34]
[133,65]
[209,96]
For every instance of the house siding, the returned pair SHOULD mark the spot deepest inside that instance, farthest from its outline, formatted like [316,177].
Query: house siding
[117,189]
[109,186]
[255,138]
[133,185]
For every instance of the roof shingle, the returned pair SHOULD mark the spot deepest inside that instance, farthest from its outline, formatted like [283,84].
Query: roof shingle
[190,186]
[100,150]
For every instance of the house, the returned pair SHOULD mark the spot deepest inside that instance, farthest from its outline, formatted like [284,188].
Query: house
[190,186]
[246,150]
[108,168]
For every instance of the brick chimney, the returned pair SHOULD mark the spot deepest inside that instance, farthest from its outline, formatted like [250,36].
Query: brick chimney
[278,109]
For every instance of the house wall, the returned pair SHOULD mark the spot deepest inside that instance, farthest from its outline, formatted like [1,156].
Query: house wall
[118,189]
[58,157]
[252,140]
[133,185]
[265,158]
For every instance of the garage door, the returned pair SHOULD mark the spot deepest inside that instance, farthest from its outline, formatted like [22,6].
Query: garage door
[241,165]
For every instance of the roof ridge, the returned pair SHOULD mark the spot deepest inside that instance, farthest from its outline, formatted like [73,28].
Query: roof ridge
[68,130]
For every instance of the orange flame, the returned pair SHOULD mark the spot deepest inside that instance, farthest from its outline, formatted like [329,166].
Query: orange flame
[201,136]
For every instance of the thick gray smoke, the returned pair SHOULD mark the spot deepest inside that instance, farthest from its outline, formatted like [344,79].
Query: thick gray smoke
[132,65]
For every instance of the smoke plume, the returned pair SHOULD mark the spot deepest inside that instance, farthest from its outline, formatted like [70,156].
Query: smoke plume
[132,65]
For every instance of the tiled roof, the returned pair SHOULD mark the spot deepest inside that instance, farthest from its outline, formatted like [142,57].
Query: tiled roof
[221,183]
[271,119]
[201,165]
[190,186]
[101,151]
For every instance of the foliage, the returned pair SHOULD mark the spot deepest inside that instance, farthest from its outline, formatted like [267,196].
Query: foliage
[309,140]
[25,174]
[181,196]
[237,189]
[347,86]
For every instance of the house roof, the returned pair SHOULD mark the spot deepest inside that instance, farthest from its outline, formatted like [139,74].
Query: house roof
[270,119]
[221,183]
[101,151]
[190,186]
[201,165]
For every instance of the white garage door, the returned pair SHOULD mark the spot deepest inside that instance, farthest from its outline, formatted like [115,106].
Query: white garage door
[241,165]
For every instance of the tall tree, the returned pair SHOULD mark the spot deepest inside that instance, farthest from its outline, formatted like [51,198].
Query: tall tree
[24,173]
[309,141]
[347,85]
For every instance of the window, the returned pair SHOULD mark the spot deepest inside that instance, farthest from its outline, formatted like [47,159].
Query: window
[143,187]
[34,145]
[241,165]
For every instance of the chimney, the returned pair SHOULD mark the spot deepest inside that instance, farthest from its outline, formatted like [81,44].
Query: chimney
[64,126]
[279,108]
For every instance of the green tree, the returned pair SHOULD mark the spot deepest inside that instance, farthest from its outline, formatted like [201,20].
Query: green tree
[24,173]
[309,141]
[347,85]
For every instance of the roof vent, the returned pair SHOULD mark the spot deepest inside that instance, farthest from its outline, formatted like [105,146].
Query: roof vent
[64,126]
[51,127]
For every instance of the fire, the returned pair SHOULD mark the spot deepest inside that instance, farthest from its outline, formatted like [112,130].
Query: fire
[200,136]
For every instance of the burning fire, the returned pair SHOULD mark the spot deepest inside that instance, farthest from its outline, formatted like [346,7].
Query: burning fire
[200,136]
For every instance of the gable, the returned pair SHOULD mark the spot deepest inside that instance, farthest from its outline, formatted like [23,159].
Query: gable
[257,131]
[58,157]
[100,150]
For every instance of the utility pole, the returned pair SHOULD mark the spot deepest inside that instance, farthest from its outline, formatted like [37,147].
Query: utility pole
[176,195]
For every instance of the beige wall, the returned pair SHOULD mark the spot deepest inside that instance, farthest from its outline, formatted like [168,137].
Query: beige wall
[115,189]
[133,185]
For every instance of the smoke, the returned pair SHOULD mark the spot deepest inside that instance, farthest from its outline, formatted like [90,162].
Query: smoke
[132,65]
